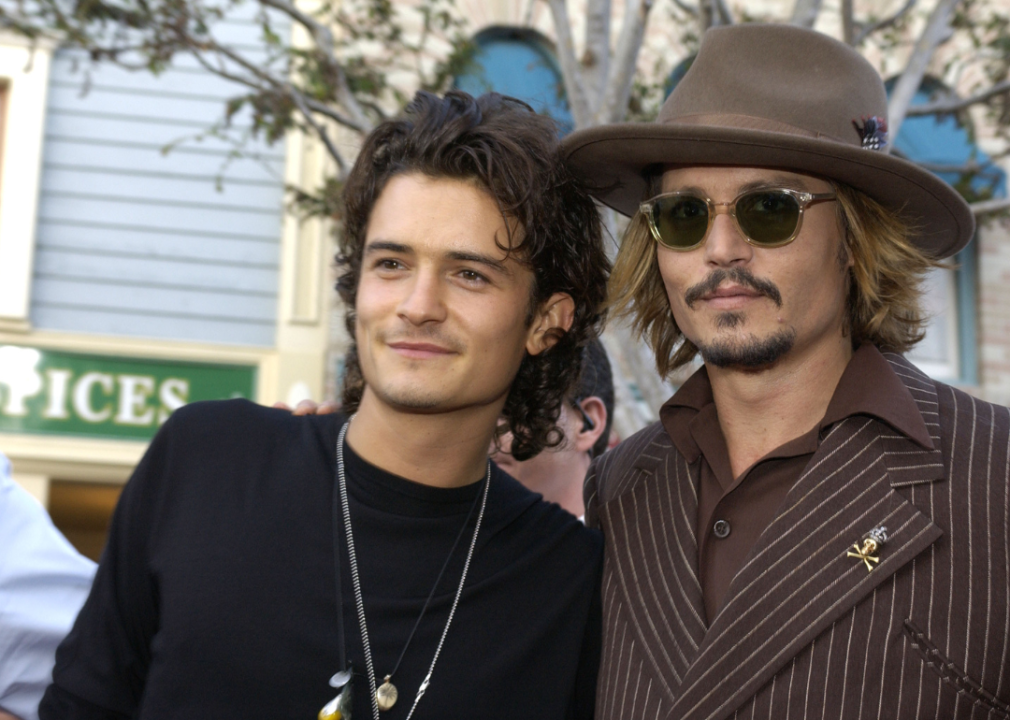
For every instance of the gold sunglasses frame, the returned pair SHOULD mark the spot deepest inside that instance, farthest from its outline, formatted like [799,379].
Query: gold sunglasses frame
[803,199]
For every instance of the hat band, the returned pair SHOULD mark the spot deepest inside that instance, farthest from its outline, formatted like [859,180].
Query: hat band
[745,122]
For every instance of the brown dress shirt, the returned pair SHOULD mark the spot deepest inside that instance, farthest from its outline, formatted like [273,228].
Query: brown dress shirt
[733,512]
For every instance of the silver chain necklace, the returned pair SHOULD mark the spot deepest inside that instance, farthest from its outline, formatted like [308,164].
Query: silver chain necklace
[359,602]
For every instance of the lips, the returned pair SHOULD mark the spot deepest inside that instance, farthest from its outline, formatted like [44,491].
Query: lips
[731,291]
[729,297]
[420,350]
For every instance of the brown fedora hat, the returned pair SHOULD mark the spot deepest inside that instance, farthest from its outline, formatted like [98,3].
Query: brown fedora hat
[775,96]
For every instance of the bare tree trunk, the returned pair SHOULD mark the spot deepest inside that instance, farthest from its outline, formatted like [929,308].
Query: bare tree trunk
[598,87]
[571,70]
[596,56]
[848,22]
[614,102]
[805,13]
[722,11]
[937,31]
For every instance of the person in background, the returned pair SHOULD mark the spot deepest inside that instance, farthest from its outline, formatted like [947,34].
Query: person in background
[43,583]
[558,473]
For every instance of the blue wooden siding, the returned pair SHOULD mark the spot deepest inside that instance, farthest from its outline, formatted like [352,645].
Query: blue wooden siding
[135,242]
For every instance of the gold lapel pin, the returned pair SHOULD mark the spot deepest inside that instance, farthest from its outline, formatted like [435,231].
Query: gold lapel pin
[872,542]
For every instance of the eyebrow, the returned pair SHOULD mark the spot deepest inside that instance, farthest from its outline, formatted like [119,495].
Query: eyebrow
[776,181]
[485,260]
[388,246]
[377,246]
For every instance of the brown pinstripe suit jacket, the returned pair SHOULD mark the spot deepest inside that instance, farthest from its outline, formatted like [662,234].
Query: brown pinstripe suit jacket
[806,632]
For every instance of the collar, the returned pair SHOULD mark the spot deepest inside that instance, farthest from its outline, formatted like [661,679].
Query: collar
[869,386]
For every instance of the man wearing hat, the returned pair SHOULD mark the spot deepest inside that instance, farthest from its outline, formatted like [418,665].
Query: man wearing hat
[814,528]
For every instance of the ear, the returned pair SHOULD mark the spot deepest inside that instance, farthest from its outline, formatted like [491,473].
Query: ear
[552,320]
[596,411]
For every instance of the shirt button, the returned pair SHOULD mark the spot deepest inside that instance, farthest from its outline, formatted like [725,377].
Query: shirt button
[721,529]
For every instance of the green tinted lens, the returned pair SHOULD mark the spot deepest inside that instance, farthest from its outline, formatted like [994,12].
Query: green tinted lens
[681,221]
[768,217]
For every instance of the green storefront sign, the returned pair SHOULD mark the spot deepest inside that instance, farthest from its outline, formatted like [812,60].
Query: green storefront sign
[43,391]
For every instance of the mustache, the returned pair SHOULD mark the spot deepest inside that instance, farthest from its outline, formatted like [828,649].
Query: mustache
[423,335]
[741,276]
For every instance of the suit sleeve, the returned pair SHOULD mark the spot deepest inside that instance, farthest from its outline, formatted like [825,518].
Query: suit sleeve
[102,665]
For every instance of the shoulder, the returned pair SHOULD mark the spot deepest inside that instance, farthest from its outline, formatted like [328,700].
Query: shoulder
[241,425]
[966,421]
[644,450]
[216,449]
[962,420]
[230,417]
[32,548]
[533,525]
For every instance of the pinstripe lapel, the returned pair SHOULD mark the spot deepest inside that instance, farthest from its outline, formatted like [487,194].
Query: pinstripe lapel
[651,529]
[798,580]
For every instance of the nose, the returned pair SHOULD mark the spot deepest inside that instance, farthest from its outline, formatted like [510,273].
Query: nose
[726,246]
[423,302]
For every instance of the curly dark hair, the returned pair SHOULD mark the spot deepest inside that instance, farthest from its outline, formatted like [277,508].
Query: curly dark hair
[512,153]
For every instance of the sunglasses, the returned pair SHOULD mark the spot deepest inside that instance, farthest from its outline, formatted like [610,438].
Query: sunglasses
[769,217]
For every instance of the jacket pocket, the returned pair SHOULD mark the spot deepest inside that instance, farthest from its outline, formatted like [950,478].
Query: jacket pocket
[951,674]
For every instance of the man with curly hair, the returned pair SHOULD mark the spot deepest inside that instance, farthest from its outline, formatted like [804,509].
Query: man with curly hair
[377,564]
[814,528]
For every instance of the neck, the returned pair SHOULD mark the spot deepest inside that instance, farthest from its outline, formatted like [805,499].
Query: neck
[438,449]
[761,410]
[570,496]
[561,483]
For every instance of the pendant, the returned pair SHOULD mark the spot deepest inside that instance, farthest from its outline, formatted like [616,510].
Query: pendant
[339,708]
[386,695]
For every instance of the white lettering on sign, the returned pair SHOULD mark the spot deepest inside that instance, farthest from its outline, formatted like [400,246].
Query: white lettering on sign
[18,374]
[134,390]
[174,394]
[30,388]
[59,384]
[82,397]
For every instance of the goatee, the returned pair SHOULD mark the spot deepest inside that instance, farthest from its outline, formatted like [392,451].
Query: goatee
[750,354]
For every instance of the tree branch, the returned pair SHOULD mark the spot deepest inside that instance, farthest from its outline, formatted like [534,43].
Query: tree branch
[987,207]
[692,11]
[323,38]
[570,69]
[615,100]
[265,78]
[968,167]
[955,104]
[596,56]
[723,11]
[805,13]
[299,100]
[871,28]
[936,32]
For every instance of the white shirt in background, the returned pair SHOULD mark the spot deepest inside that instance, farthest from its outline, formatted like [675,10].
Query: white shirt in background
[43,583]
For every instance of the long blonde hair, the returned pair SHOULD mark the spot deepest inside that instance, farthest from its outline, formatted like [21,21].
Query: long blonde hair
[885,283]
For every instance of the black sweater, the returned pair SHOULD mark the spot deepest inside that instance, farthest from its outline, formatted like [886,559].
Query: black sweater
[215,597]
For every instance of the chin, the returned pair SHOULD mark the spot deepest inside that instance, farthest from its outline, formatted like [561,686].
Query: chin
[748,353]
[412,399]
